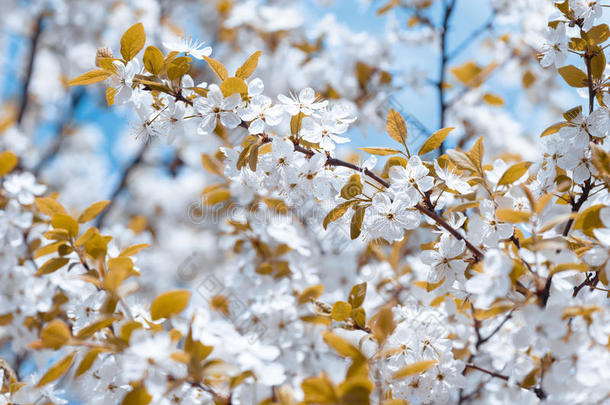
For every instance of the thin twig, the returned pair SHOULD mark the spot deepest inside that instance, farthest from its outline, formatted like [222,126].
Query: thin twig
[487,25]
[426,211]
[75,100]
[443,65]
[122,184]
[30,68]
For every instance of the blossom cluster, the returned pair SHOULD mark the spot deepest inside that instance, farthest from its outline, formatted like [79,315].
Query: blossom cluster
[444,275]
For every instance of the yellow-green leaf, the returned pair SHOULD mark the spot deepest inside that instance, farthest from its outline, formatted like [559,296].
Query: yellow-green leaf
[133,249]
[153,59]
[414,368]
[110,92]
[341,311]
[8,161]
[384,324]
[310,293]
[49,206]
[435,140]
[493,99]
[55,334]
[356,224]
[133,41]
[217,67]
[245,70]
[233,85]
[380,150]
[65,221]
[92,211]
[52,265]
[357,295]
[468,73]
[598,34]
[169,303]
[91,77]
[217,196]
[396,126]
[340,345]
[57,370]
[598,63]
[87,361]
[337,212]
[553,128]
[512,216]
[573,76]
[96,326]
[319,390]
[589,219]
[514,173]
[137,396]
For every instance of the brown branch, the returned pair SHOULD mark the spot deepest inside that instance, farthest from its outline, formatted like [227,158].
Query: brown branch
[489,372]
[449,7]
[75,100]
[30,68]
[591,282]
[545,292]
[122,184]
[426,211]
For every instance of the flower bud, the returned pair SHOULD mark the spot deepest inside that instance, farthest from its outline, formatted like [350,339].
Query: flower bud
[104,52]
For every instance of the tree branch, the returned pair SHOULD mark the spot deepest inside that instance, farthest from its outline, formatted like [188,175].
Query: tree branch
[443,66]
[426,211]
[122,184]
[487,25]
[75,100]
[30,68]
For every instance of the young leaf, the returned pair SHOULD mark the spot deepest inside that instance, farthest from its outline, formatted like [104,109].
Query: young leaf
[91,77]
[380,150]
[435,140]
[493,99]
[8,161]
[553,128]
[340,345]
[396,126]
[92,211]
[468,73]
[310,293]
[137,396]
[64,221]
[55,334]
[337,212]
[512,216]
[341,311]
[598,34]
[133,41]
[87,362]
[49,206]
[169,303]
[384,324]
[57,370]
[598,64]
[357,295]
[356,224]
[245,70]
[573,76]
[52,265]
[233,85]
[217,67]
[153,60]
[110,92]
[414,368]
[514,173]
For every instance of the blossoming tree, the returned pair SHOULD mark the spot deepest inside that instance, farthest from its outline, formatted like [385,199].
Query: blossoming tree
[252,259]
